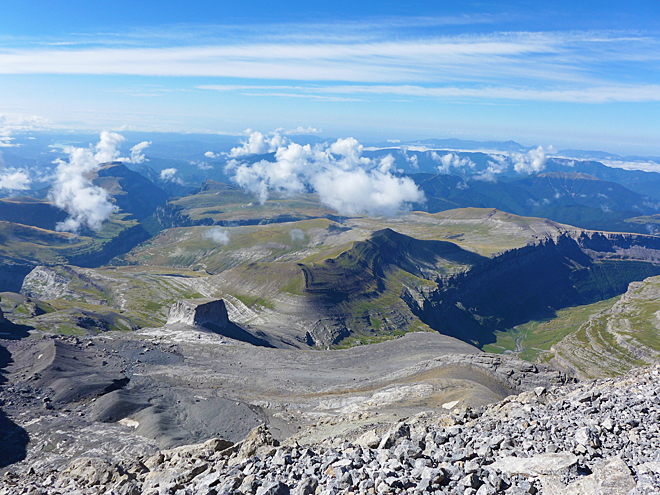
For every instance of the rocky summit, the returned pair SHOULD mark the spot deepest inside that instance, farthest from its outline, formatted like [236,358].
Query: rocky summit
[591,437]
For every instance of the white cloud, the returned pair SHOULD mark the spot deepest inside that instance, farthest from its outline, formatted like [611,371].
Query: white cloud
[646,166]
[73,192]
[297,235]
[13,179]
[496,167]
[451,160]
[577,66]
[413,160]
[338,173]
[137,155]
[532,162]
[219,235]
[210,154]
[11,123]
[168,175]
[258,144]
[301,130]
[202,165]
[106,148]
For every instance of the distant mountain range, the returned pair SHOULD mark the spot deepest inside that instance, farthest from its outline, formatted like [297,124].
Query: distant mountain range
[573,198]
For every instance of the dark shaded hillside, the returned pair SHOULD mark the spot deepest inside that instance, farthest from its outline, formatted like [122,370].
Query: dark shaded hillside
[31,211]
[528,283]
[101,254]
[132,192]
[362,270]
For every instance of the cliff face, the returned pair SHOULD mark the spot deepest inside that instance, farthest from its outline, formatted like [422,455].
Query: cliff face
[534,281]
[12,275]
[607,245]
[199,312]
[121,244]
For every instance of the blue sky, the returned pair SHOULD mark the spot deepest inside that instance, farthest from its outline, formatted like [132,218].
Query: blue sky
[584,76]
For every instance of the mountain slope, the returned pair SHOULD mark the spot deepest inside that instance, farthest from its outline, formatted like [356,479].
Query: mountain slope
[573,198]
[618,339]
[130,191]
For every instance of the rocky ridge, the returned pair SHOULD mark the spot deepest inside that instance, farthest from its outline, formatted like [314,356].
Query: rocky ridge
[582,438]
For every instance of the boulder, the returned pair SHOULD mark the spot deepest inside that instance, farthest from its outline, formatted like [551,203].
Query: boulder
[610,477]
[542,464]
[202,312]
[90,471]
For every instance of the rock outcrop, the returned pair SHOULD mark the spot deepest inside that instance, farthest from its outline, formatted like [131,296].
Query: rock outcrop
[202,312]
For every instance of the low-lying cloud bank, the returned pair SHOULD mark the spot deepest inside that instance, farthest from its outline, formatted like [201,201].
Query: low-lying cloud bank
[87,204]
[343,179]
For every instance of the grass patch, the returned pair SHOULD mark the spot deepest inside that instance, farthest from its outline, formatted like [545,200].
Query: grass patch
[536,337]
[153,306]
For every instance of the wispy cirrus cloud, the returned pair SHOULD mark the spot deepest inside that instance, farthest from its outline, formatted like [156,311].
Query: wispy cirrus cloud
[587,94]
[523,65]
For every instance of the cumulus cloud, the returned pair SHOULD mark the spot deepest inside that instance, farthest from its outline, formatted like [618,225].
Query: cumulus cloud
[168,175]
[344,179]
[297,235]
[219,235]
[258,144]
[14,179]
[106,148]
[451,160]
[495,167]
[210,154]
[413,160]
[202,165]
[531,162]
[73,192]
[137,155]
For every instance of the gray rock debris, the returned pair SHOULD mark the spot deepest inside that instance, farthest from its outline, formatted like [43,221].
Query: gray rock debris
[591,438]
